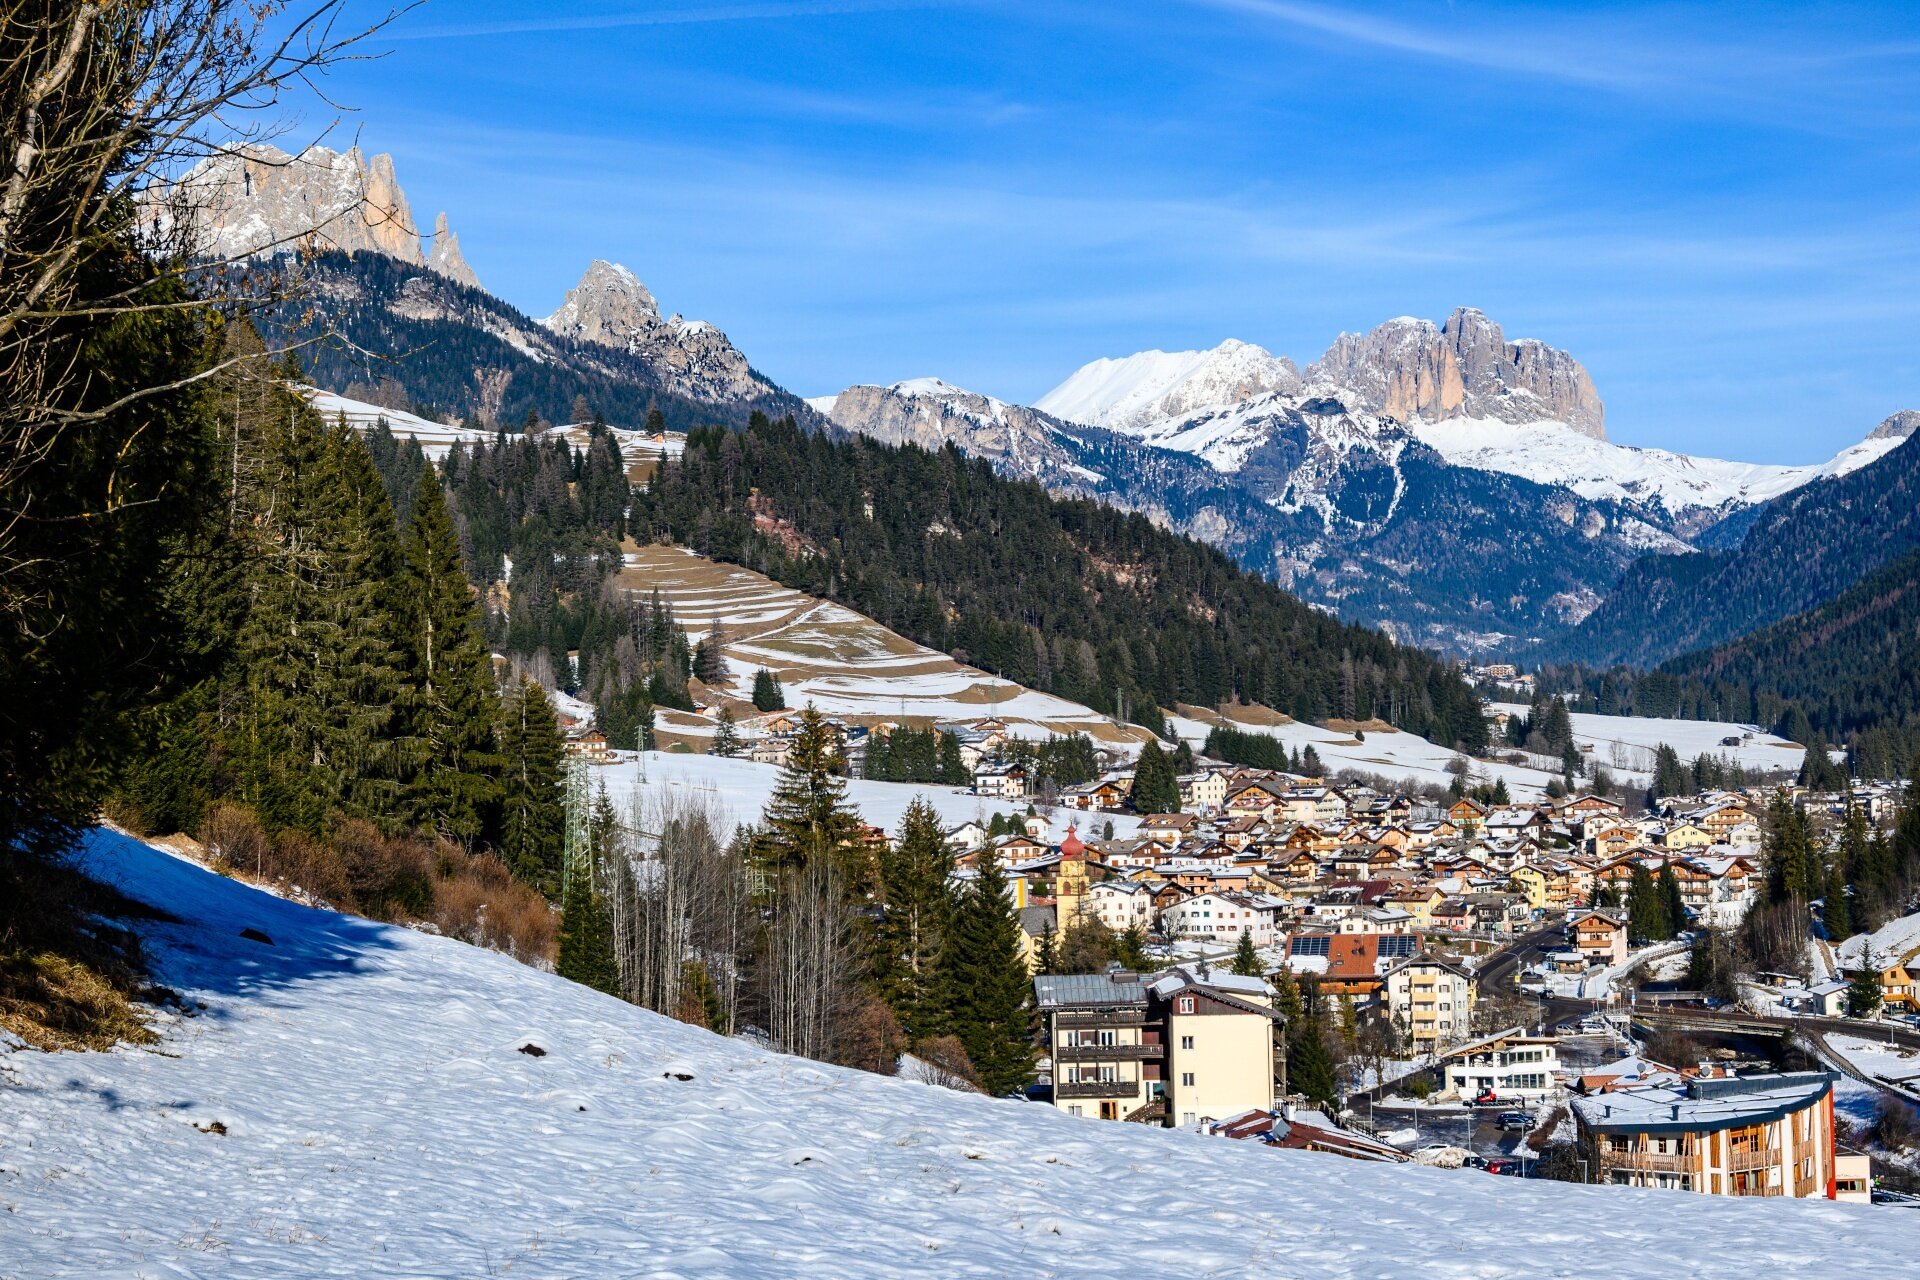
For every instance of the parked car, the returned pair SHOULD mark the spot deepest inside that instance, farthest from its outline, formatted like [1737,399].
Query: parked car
[1514,1121]
[1474,1162]
[1504,1168]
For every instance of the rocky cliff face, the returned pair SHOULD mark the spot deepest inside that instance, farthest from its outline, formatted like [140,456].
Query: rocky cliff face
[1413,370]
[264,201]
[930,413]
[612,308]
[1897,426]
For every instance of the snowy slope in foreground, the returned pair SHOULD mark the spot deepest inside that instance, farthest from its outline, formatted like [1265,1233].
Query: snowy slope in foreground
[381,1121]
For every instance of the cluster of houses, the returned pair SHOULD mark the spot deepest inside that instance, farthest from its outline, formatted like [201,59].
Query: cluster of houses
[1371,892]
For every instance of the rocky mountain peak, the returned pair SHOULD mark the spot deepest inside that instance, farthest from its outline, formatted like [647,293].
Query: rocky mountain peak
[1150,387]
[260,201]
[1414,370]
[1897,426]
[612,308]
[609,306]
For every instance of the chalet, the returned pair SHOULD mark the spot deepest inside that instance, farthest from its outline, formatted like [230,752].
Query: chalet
[968,835]
[1760,1135]
[1348,964]
[1001,782]
[1107,1061]
[1589,807]
[1259,799]
[1894,952]
[1167,828]
[590,746]
[1599,936]
[1467,815]
[1297,866]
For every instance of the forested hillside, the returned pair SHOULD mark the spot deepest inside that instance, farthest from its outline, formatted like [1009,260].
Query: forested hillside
[1067,596]
[1804,549]
[1852,665]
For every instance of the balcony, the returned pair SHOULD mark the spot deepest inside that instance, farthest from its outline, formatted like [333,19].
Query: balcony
[1108,1052]
[1749,1161]
[1077,1018]
[1654,1162]
[1098,1089]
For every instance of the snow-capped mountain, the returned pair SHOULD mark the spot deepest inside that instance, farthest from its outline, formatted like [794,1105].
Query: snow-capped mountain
[1688,491]
[612,308]
[1141,393]
[261,201]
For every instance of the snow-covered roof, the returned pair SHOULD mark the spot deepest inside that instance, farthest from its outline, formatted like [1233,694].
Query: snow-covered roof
[1704,1104]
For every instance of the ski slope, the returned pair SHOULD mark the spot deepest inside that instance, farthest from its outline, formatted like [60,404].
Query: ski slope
[359,1100]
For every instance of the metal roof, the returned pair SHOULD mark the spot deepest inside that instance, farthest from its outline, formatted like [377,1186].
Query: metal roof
[1097,989]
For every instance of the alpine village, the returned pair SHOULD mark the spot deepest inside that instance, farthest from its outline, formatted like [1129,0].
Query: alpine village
[488,794]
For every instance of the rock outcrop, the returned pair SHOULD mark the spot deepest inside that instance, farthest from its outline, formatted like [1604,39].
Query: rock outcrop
[1414,370]
[612,308]
[262,201]
[930,413]
[1897,426]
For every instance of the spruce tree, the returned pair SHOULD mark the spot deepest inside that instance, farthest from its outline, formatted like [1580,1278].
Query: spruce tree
[726,738]
[767,693]
[532,805]
[451,708]
[1864,992]
[1246,960]
[916,906]
[1646,913]
[1155,789]
[1836,915]
[1310,1071]
[586,937]
[1673,906]
[808,816]
[986,984]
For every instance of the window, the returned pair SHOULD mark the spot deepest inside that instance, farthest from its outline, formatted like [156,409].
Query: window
[1186,1079]
[1186,1042]
[1183,1005]
[1074,1110]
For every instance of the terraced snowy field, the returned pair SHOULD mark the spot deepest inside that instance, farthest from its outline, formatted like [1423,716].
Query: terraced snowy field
[846,664]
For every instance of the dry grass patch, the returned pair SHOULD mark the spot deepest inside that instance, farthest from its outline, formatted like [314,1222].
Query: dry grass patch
[71,975]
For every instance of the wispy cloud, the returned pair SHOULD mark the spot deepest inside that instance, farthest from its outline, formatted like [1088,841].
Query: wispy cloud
[775,10]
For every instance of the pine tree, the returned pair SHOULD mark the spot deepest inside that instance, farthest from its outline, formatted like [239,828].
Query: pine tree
[986,984]
[726,738]
[1836,916]
[586,938]
[1673,906]
[916,906]
[1864,992]
[1646,913]
[1155,789]
[451,708]
[1310,1070]
[808,816]
[1310,765]
[767,693]
[709,658]
[1246,960]
[532,817]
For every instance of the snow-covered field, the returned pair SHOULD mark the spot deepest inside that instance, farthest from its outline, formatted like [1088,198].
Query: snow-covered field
[360,1100]
[1895,1064]
[1387,752]
[737,790]
[1625,744]
[842,662]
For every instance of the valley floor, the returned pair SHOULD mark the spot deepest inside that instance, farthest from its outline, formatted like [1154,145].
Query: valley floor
[353,1099]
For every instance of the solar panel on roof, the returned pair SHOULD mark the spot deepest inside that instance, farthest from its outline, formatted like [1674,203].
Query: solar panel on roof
[1313,944]
[1397,945]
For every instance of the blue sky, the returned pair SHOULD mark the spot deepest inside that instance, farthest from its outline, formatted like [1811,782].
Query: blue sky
[1714,207]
